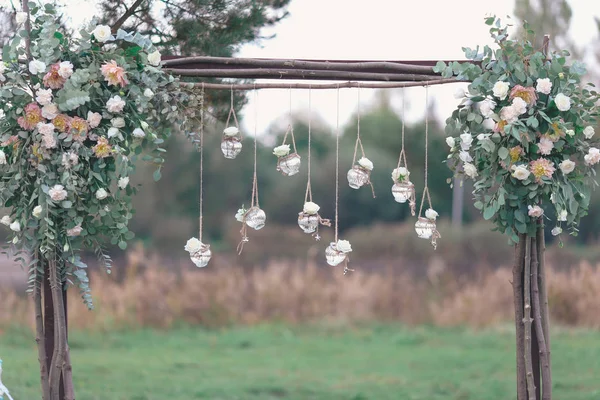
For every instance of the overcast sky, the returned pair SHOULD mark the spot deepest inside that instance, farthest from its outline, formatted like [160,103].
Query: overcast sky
[376,30]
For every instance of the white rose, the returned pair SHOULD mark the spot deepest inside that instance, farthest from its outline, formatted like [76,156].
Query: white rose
[102,33]
[154,58]
[45,129]
[489,124]
[562,215]
[282,150]
[543,86]
[15,226]
[2,157]
[567,166]
[486,107]
[101,194]
[112,132]
[450,141]
[118,122]
[343,246]
[65,69]
[431,214]
[366,163]
[123,182]
[57,193]
[519,105]
[138,133]
[37,67]
[563,103]
[592,157]
[501,89]
[115,104]
[5,220]
[231,131]
[465,156]
[398,173]
[466,140]
[470,170]
[37,211]
[75,231]
[509,114]
[43,96]
[239,216]
[21,17]
[50,111]
[311,208]
[535,211]
[570,132]
[520,172]
[588,132]
[556,231]
[2,67]
[148,93]
[94,119]
[193,245]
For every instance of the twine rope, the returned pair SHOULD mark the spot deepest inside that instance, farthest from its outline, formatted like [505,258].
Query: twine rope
[358,140]
[201,159]
[255,179]
[290,128]
[426,190]
[308,195]
[402,156]
[337,163]
[231,110]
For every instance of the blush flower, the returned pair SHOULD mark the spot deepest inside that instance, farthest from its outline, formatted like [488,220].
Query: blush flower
[115,104]
[33,116]
[535,211]
[102,149]
[79,129]
[113,74]
[526,93]
[541,168]
[592,157]
[93,119]
[52,79]
[62,122]
[57,193]
[516,153]
[50,111]
[544,86]
[545,146]
[75,231]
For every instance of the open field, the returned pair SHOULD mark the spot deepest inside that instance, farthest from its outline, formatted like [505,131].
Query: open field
[306,362]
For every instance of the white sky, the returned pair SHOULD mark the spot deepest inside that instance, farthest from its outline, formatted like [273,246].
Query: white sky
[377,30]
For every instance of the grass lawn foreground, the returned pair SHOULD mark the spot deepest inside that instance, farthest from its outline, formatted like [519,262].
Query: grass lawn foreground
[308,362]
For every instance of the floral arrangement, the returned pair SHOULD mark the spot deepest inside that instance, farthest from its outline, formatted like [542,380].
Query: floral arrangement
[524,134]
[76,115]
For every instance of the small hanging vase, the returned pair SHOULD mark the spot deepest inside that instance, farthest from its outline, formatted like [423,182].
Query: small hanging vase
[231,143]
[403,189]
[287,163]
[337,253]
[255,218]
[358,177]
[309,219]
[200,253]
[426,227]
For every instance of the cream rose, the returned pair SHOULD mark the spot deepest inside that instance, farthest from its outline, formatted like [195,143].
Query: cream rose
[400,172]
[343,246]
[563,103]
[231,131]
[501,89]
[115,104]
[123,182]
[43,96]
[567,166]
[37,211]
[138,133]
[543,85]
[465,156]
[592,157]
[193,245]
[2,157]
[118,122]
[588,132]
[6,220]
[102,33]
[50,111]
[520,172]
[486,107]
[57,193]
[37,67]
[101,194]
[94,119]
[366,163]
[281,151]
[65,69]
[311,208]
[431,214]
[466,140]
[470,170]
[15,226]
[535,211]
[154,58]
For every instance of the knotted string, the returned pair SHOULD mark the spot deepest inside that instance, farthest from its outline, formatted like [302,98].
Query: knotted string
[290,128]
[337,163]
[231,112]
[359,142]
[201,159]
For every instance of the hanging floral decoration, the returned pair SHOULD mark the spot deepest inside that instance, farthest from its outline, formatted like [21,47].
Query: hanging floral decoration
[76,114]
[287,163]
[360,173]
[525,135]
[403,189]
[231,142]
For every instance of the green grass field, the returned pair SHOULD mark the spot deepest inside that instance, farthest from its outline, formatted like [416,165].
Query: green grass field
[312,362]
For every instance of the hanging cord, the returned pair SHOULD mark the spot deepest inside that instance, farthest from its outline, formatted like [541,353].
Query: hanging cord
[231,111]
[426,189]
[337,163]
[201,159]
[308,195]
[255,179]
[359,142]
[290,128]
[402,158]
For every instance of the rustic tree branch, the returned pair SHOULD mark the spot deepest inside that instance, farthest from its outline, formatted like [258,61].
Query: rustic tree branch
[130,11]
[341,85]
[254,73]
[58,358]
[517,284]
[68,374]
[39,330]
[537,318]
[544,309]
[527,320]
[367,66]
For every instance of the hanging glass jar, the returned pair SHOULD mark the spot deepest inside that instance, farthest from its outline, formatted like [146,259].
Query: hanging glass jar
[426,227]
[200,253]
[403,189]
[231,143]
[307,222]
[255,218]
[334,256]
[289,165]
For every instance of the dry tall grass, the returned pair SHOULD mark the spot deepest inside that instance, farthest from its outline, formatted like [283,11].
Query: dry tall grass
[219,295]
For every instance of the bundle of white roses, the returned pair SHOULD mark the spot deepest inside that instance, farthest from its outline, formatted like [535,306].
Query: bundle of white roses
[524,134]
[76,114]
